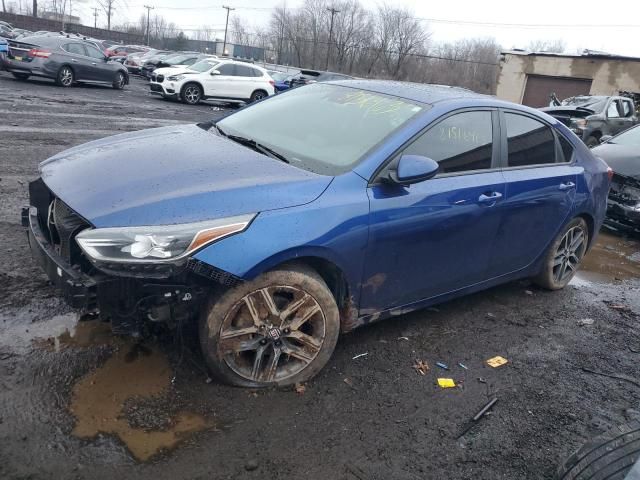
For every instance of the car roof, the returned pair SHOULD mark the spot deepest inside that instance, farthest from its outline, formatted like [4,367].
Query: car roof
[418,92]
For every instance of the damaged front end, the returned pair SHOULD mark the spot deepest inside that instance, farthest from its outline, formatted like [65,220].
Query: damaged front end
[151,286]
[623,204]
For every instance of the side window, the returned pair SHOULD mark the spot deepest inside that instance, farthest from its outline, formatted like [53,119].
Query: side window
[567,148]
[612,111]
[94,52]
[242,71]
[255,72]
[627,109]
[459,143]
[529,142]
[75,48]
[228,69]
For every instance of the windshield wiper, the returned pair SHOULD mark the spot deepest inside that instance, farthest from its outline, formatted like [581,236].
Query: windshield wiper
[256,146]
[220,131]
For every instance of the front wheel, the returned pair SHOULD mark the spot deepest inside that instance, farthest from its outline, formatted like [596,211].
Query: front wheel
[119,81]
[278,329]
[191,94]
[65,77]
[564,255]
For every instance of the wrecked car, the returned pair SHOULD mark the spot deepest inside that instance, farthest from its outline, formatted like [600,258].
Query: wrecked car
[622,154]
[366,200]
[591,117]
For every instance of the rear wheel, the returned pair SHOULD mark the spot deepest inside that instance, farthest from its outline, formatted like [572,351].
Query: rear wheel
[191,93]
[65,76]
[21,76]
[258,95]
[564,255]
[279,329]
[119,81]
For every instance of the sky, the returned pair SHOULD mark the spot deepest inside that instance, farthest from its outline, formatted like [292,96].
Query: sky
[587,24]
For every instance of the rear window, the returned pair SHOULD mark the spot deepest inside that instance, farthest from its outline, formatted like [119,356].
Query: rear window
[529,142]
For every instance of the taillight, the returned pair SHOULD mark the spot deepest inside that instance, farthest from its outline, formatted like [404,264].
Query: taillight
[272,83]
[610,173]
[36,52]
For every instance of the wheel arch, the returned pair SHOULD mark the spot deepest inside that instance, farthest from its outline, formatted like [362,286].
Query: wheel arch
[343,289]
[591,225]
[259,90]
[195,82]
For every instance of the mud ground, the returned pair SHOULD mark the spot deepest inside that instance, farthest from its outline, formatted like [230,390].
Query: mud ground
[76,402]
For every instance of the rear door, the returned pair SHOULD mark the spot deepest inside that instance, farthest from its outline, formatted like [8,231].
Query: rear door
[78,60]
[246,81]
[541,184]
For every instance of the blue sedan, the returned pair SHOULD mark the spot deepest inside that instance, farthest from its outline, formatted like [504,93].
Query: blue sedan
[366,200]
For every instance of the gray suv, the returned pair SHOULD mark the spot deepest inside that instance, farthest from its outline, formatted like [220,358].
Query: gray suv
[64,59]
[592,117]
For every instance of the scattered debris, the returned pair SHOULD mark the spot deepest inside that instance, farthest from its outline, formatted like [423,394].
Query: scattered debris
[462,365]
[300,389]
[528,292]
[349,382]
[483,411]
[403,338]
[360,355]
[446,382]
[251,465]
[491,315]
[618,307]
[482,380]
[444,366]
[421,367]
[634,350]
[496,362]
[585,321]
[625,378]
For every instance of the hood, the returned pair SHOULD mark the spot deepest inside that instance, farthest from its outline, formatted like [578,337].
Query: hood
[623,159]
[576,112]
[171,70]
[173,175]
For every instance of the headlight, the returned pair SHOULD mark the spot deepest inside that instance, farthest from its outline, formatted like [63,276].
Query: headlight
[175,78]
[165,243]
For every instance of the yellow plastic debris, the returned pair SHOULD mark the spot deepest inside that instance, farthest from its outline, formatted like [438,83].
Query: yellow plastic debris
[496,361]
[446,382]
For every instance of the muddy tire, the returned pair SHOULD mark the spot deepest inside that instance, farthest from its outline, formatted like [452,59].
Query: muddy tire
[592,141]
[191,93]
[258,95]
[564,255]
[610,456]
[21,76]
[65,76]
[119,81]
[276,330]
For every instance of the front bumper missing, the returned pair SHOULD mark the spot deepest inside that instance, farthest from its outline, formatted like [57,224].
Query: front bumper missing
[78,289]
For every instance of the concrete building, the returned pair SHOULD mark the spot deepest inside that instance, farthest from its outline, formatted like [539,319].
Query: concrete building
[529,78]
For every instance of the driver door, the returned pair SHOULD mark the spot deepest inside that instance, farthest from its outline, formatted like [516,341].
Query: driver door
[220,85]
[99,70]
[436,236]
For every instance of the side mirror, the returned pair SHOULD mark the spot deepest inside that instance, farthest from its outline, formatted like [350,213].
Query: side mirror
[413,169]
[605,138]
[215,72]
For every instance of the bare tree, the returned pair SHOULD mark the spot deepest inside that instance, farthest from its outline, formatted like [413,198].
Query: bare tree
[108,6]
[551,46]
[239,31]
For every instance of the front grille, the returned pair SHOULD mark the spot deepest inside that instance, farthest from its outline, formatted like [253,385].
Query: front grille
[155,88]
[67,224]
[213,273]
[624,190]
[153,77]
[160,78]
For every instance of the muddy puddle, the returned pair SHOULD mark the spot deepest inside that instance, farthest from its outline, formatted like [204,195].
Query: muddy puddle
[118,398]
[611,259]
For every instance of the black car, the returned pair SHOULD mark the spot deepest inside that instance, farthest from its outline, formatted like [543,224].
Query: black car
[181,59]
[622,153]
[311,76]
[150,64]
[63,59]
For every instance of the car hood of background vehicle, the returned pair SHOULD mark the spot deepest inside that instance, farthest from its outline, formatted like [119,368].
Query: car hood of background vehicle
[171,70]
[568,111]
[623,159]
[172,175]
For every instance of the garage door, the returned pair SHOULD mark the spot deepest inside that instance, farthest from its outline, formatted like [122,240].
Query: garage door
[538,89]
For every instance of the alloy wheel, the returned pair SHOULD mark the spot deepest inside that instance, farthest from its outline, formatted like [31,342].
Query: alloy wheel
[272,333]
[120,81]
[192,94]
[569,253]
[66,76]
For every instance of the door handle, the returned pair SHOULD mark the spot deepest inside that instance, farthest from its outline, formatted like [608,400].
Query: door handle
[567,186]
[493,197]
[93,63]
[74,60]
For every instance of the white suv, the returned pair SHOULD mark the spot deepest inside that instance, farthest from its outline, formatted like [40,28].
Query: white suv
[220,79]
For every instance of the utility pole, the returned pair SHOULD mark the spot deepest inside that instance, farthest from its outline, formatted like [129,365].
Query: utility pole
[333,12]
[224,44]
[148,13]
[283,17]
[95,17]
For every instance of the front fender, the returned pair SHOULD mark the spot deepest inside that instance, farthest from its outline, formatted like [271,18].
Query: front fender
[334,227]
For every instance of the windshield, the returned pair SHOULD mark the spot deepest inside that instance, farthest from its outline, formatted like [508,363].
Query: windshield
[203,65]
[596,104]
[322,128]
[279,76]
[631,138]
[175,60]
